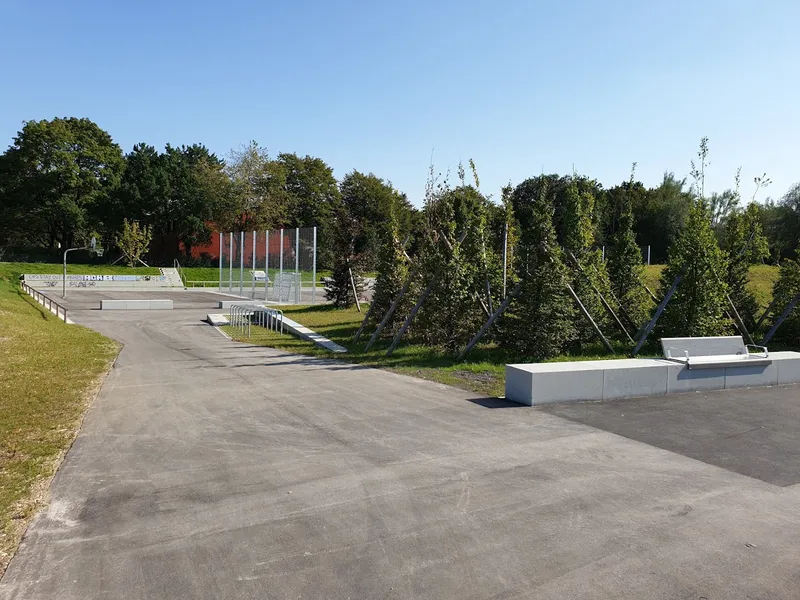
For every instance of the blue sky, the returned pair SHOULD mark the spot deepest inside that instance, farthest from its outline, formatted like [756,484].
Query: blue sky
[520,87]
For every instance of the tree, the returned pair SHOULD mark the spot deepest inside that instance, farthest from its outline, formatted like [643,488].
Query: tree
[625,268]
[133,241]
[660,215]
[540,322]
[786,288]
[346,262]
[313,199]
[393,271]
[57,175]
[578,238]
[372,202]
[259,198]
[744,241]
[195,179]
[144,190]
[699,304]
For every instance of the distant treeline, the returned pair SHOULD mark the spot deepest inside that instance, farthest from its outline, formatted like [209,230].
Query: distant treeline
[65,180]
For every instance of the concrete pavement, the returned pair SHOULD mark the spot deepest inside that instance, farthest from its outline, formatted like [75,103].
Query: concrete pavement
[211,469]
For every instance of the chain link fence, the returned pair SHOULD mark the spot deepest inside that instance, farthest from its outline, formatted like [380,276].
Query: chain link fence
[275,266]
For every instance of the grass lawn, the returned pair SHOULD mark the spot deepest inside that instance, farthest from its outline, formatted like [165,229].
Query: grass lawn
[19,268]
[198,274]
[49,372]
[483,372]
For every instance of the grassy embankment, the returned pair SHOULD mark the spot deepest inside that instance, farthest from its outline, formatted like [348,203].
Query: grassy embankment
[49,373]
[482,372]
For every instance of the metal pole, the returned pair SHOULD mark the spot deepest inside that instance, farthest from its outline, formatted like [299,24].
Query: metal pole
[266,267]
[280,267]
[220,261]
[230,263]
[64,280]
[589,318]
[604,254]
[505,258]
[314,270]
[297,264]
[390,312]
[648,255]
[412,314]
[252,277]
[241,263]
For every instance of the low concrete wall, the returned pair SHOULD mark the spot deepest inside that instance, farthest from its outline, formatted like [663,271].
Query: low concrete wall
[135,304]
[43,281]
[547,383]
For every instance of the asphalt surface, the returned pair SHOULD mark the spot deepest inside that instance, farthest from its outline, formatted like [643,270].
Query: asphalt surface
[210,469]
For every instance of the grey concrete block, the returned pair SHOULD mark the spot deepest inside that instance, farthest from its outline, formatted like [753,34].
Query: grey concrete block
[519,385]
[788,364]
[243,302]
[751,376]
[681,379]
[160,304]
[630,380]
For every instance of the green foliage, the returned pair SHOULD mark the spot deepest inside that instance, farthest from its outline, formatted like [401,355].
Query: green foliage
[625,267]
[699,304]
[56,180]
[458,270]
[133,241]
[783,292]
[339,287]
[393,271]
[744,241]
[540,321]
[660,215]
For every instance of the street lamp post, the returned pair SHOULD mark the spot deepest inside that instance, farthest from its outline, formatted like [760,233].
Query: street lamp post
[92,246]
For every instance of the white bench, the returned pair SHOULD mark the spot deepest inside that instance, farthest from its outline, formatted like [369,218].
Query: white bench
[714,352]
[259,275]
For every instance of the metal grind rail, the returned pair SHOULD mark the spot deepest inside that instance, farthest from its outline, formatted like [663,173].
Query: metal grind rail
[244,317]
[50,304]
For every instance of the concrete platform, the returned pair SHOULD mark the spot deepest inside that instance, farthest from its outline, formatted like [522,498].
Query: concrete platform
[576,381]
[155,304]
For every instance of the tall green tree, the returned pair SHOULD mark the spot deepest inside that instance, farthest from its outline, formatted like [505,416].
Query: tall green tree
[698,306]
[541,321]
[58,176]
[625,267]
[144,190]
[660,215]
[785,289]
[745,244]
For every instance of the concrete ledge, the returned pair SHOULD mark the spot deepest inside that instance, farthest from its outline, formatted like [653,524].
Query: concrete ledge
[547,383]
[304,332]
[217,320]
[136,304]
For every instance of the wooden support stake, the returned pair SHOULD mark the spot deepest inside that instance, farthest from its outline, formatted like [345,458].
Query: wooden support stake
[495,315]
[605,304]
[411,315]
[355,293]
[390,312]
[652,295]
[589,318]
[766,312]
[364,322]
[649,327]
[781,319]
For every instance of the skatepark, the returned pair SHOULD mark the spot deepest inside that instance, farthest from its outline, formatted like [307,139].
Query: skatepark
[208,468]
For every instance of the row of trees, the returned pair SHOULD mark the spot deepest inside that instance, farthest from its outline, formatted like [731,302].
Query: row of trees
[560,290]
[64,180]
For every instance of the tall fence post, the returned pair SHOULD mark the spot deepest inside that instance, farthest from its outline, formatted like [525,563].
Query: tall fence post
[280,268]
[314,270]
[220,260]
[266,267]
[253,267]
[298,277]
[241,263]
[230,263]
[648,255]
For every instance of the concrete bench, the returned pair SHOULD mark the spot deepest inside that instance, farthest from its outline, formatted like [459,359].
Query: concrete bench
[135,304]
[714,352]
[577,381]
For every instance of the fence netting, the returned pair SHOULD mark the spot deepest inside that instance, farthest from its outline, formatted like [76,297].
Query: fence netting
[276,266]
